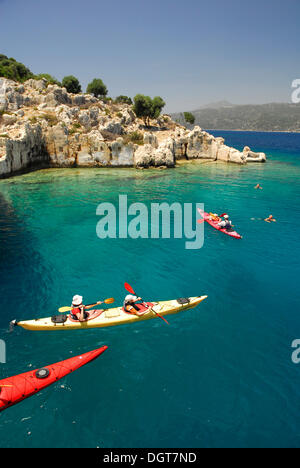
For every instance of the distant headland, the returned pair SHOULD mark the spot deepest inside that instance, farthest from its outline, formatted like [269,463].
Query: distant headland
[274,117]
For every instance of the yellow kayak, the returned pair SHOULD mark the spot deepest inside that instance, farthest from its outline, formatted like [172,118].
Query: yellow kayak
[111,317]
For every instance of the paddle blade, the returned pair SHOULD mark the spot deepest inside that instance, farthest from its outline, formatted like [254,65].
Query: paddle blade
[129,288]
[62,310]
[163,318]
[110,300]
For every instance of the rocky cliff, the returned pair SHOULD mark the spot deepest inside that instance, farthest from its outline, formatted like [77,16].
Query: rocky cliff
[43,125]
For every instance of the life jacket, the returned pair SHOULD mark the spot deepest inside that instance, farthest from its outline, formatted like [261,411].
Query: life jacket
[130,306]
[76,311]
[225,224]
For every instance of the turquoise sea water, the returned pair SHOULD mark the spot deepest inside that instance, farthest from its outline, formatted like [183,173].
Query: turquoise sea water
[219,375]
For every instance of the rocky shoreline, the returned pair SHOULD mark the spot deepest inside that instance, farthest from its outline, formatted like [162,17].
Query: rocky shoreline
[45,126]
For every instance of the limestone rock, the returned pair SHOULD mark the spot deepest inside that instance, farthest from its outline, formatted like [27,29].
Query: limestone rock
[223,153]
[143,156]
[8,119]
[113,126]
[200,145]
[165,154]
[58,146]
[84,119]
[256,157]
[181,143]
[36,84]
[78,100]
[147,155]
[150,139]
[237,157]
[128,117]
[28,151]
[56,96]
[122,155]
[251,156]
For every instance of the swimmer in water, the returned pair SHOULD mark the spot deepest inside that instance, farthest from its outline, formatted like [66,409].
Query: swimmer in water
[270,219]
[258,187]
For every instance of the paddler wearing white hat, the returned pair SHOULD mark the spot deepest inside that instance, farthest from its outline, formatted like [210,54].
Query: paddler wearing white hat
[78,311]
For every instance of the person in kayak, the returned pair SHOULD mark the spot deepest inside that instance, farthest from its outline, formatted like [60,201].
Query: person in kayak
[270,219]
[79,311]
[214,217]
[130,305]
[225,223]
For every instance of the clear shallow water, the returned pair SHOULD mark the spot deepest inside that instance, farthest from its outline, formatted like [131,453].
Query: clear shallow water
[219,375]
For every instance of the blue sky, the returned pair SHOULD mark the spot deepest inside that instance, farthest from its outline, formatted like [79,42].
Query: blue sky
[189,52]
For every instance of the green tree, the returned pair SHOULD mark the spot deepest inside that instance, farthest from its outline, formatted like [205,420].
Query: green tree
[97,88]
[13,70]
[157,106]
[147,108]
[142,106]
[72,85]
[189,117]
[123,100]
[49,78]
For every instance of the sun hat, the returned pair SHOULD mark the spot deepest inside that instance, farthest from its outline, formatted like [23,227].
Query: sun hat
[77,300]
[130,298]
[226,216]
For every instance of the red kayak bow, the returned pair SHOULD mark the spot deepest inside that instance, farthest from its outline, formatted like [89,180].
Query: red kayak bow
[22,386]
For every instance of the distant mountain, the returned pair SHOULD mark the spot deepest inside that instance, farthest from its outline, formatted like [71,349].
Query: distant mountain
[264,117]
[216,105]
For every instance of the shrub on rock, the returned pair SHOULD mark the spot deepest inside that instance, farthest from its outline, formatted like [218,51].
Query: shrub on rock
[189,117]
[123,100]
[49,78]
[97,88]
[72,85]
[147,108]
[13,70]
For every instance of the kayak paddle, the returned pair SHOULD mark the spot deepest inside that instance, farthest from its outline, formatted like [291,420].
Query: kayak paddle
[129,289]
[110,300]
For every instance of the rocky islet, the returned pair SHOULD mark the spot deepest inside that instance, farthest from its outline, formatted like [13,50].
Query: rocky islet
[42,125]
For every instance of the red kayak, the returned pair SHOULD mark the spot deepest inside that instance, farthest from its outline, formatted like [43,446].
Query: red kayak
[18,388]
[229,232]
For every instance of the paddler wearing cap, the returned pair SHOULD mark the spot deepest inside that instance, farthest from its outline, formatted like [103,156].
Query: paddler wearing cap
[130,305]
[78,311]
[225,223]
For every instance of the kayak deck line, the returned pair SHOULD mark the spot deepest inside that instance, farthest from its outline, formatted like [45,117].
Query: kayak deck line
[111,317]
